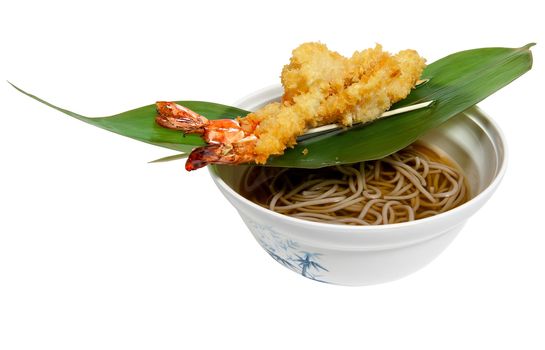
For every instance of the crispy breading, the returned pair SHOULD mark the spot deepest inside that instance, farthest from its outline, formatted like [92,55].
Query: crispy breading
[323,87]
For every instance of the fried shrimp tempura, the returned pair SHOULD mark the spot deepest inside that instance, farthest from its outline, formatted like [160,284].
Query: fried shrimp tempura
[320,87]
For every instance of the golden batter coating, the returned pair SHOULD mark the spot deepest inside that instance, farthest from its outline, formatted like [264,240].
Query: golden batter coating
[322,87]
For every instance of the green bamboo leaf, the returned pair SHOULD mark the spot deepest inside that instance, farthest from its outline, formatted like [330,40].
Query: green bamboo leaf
[170,158]
[458,82]
[139,123]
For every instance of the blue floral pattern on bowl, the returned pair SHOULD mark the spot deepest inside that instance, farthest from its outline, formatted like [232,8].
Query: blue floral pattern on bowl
[287,252]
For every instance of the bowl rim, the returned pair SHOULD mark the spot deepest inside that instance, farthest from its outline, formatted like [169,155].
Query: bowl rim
[482,196]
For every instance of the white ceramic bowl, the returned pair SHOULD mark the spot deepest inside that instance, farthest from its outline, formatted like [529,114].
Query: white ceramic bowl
[363,255]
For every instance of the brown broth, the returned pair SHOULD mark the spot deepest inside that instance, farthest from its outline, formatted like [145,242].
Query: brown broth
[257,185]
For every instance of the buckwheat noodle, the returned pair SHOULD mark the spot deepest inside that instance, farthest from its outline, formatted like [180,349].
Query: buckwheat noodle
[411,184]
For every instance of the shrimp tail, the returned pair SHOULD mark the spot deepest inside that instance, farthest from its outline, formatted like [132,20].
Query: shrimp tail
[227,141]
[173,116]
[202,156]
[221,153]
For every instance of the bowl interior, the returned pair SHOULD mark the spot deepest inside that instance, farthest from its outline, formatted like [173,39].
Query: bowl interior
[475,143]
[470,139]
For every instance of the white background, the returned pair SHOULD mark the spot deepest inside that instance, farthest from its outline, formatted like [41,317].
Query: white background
[101,250]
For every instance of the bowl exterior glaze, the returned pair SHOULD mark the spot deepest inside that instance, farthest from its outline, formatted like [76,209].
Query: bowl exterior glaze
[364,255]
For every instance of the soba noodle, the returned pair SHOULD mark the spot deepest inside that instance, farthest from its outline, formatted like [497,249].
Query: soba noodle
[411,184]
